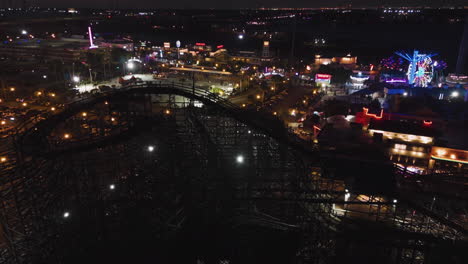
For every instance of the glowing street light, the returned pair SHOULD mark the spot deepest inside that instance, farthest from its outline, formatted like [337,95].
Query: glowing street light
[66,136]
[241,36]
[84,114]
[3,122]
[66,214]
[455,94]
[405,94]
[395,201]
[24,104]
[76,79]
[167,112]
[112,186]
[44,76]
[52,108]
[3,159]
[130,65]
[150,148]
[24,32]
[240,159]
[12,89]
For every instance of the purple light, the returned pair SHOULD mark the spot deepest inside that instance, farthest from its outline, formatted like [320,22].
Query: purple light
[91,44]
[395,81]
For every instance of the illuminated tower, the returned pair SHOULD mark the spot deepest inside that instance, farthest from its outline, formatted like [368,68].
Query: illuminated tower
[91,43]
[266,49]
[463,50]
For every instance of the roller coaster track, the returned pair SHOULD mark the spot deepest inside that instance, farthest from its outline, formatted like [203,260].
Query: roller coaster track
[264,123]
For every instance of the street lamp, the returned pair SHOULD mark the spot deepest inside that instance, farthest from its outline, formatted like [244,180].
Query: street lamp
[455,94]
[112,186]
[130,65]
[76,79]
[24,32]
[150,148]
[66,215]
[241,36]
[240,159]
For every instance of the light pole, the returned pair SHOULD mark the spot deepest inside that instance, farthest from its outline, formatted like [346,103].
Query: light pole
[90,76]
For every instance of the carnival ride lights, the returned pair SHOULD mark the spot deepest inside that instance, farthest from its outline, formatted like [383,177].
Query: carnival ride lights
[420,70]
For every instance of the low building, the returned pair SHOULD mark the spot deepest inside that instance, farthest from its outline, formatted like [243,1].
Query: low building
[448,160]
[249,57]
[408,142]
[346,61]
[37,49]
[117,43]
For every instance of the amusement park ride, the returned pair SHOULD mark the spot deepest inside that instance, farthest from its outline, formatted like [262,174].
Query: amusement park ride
[421,68]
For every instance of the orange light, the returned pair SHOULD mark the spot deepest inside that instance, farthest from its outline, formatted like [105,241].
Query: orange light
[12,89]
[366,112]
[52,94]
[84,114]
[3,159]
[243,105]
[167,111]
[66,136]
[274,113]
[106,102]
[112,119]
[24,104]
[3,122]
[52,109]
[427,122]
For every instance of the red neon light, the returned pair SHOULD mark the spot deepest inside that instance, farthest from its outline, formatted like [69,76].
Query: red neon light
[317,128]
[366,112]
[322,76]
[427,122]
[200,44]
[220,46]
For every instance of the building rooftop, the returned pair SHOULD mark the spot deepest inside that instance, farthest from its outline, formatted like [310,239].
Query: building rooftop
[411,127]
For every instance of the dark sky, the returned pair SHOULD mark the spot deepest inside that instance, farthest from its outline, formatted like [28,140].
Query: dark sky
[238,3]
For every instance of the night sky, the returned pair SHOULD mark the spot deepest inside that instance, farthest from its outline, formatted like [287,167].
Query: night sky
[238,3]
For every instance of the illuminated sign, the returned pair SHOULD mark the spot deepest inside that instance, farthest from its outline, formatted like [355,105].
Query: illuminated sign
[200,44]
[220,46]
[266,43]
[167,45]
[323,78]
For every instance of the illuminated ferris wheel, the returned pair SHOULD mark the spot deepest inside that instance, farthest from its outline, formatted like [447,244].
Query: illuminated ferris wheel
[421,68]
[423,73]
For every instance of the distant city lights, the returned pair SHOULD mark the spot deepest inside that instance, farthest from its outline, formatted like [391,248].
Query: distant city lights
[240,159]
[150,148]
[241,36]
